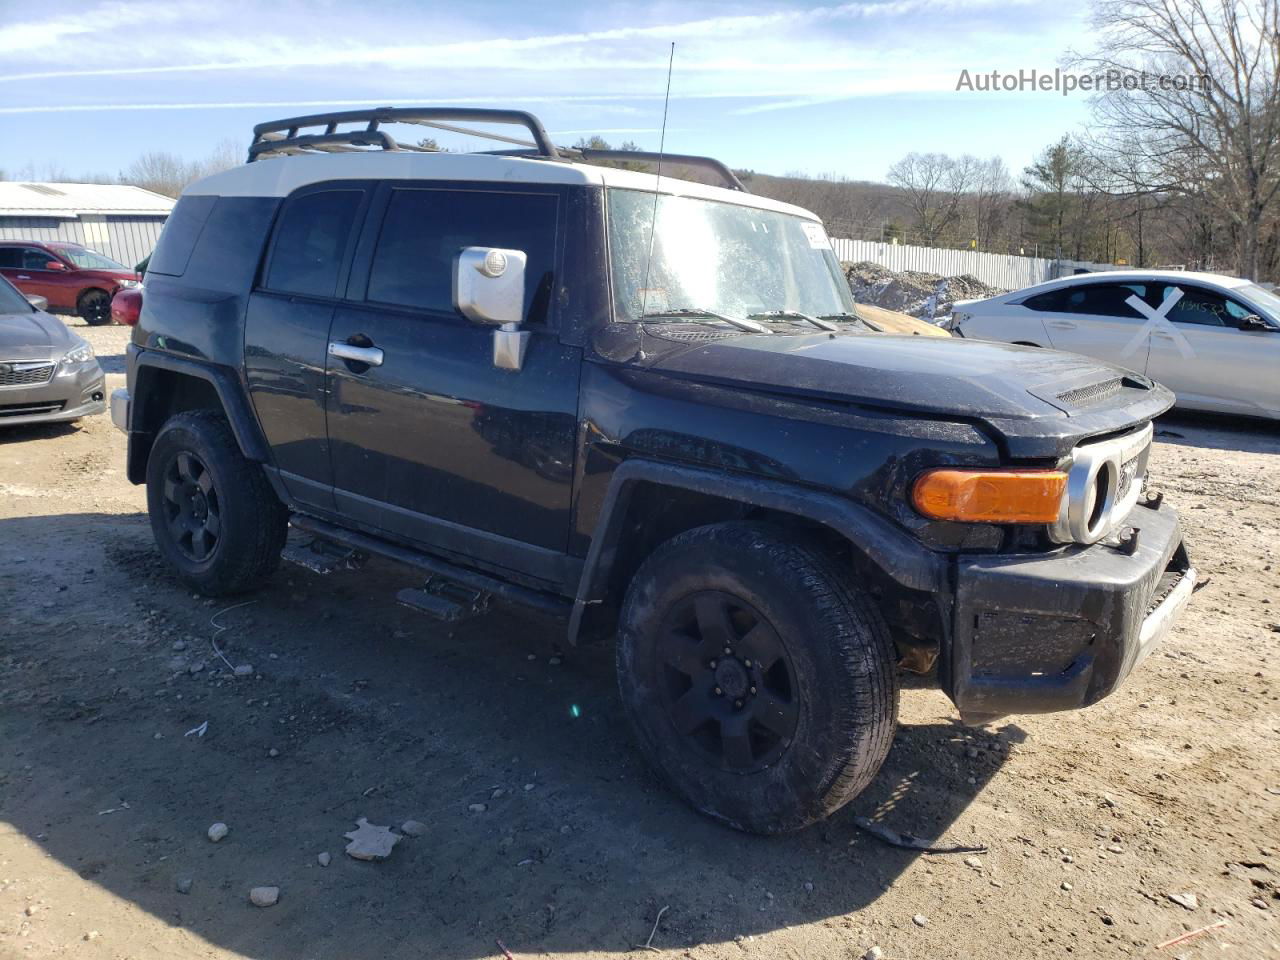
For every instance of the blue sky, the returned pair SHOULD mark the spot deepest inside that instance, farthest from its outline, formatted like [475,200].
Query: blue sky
[843,88]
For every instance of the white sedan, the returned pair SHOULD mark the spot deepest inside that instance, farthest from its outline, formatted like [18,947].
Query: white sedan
[1214,340]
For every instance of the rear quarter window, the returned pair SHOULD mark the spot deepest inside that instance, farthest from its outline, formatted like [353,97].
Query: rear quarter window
[311,242]
[180,235]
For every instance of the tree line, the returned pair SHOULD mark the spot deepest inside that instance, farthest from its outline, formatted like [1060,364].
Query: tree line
[1177,174]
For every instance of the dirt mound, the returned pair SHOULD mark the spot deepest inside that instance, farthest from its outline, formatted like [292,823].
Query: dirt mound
[910,291]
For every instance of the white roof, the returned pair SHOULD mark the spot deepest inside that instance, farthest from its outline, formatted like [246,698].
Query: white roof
[1136,276]
[66,201]
[280,176]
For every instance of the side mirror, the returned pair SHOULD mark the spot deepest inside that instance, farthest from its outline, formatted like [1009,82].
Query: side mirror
[488,288]
[55,265]
[1255,322]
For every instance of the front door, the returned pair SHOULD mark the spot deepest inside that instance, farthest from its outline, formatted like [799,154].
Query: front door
[429,440]
[1095,319]
[1217,366]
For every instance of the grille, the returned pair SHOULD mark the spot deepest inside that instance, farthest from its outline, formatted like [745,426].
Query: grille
[24,374]
[28,409]
[1094,393]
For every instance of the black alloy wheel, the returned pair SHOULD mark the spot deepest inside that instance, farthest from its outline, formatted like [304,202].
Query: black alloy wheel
[728,684]
[191,507]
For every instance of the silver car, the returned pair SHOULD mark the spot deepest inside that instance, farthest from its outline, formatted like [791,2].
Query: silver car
[47,373]
[1214,340]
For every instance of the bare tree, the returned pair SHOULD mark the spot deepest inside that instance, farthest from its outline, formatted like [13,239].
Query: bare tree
[933,183]
[989,200]
[168,173]
[1214,128]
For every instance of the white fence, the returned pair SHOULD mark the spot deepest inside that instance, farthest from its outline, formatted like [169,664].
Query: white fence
[998,270]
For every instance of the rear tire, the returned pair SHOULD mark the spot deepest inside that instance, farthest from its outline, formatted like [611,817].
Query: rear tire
[796,719]
[94,307]
[215,517]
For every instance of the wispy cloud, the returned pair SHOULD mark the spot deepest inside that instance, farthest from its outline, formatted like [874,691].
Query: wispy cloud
[181,53]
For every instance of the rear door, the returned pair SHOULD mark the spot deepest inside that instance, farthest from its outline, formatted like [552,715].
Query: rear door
[1096,320]
[287,330]
[435,444]
[27,269]
[1218,366]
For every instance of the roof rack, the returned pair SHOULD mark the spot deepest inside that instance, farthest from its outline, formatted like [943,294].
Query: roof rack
[286,137]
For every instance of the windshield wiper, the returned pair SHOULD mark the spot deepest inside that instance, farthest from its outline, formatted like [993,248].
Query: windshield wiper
[853,316]
[822,323]
[694,313]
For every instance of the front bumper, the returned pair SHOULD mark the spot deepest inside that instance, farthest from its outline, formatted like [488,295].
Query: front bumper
[1033,634]
[68,395]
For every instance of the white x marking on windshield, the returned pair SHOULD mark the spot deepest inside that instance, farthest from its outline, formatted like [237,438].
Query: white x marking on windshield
[1158,320]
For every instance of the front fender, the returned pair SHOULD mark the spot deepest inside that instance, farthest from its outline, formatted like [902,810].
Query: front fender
[896,553]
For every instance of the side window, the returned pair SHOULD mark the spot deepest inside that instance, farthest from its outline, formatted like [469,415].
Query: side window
[1045,302]
[1202,307]
[181,231]
[1104,299]
[311,241]
[10,258]
[424,230]
[33,258]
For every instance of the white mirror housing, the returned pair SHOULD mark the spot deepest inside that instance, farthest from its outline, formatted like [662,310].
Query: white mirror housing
[488,285]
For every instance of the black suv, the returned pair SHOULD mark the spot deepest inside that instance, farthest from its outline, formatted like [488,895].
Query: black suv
[647,407]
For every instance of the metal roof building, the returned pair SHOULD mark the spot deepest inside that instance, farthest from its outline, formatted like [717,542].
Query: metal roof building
[120,221]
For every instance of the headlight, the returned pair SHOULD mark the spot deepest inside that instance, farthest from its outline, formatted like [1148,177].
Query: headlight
[79,354]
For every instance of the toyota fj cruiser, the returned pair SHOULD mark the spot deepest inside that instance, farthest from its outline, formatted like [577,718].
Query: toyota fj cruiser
[644,406]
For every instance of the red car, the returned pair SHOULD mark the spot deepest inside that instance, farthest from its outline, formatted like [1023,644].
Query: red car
[126,306]
[74,279]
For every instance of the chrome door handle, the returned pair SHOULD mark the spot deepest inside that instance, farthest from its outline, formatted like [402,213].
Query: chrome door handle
[346,351]
[1061,324]
[23,276]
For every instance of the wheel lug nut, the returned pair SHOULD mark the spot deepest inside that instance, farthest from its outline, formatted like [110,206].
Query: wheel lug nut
[753,691]
[728,651]
[712,664]
[738,704]
[719,692]
[746,663]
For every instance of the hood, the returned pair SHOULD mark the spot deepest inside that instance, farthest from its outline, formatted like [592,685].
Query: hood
[116,276]
[1040,402]
[33,336]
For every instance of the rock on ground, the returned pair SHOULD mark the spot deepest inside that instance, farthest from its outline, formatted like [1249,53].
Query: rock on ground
[370,842]
[264,896]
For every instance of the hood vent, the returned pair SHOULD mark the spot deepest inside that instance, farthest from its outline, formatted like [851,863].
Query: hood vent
[1093,393]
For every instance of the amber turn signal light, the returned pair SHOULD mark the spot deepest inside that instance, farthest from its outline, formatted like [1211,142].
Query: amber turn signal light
[990,496]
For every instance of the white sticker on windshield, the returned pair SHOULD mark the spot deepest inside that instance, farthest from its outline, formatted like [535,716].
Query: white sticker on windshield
[817,236]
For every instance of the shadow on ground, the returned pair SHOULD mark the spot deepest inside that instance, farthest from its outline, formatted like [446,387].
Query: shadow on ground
[376,712]
[1218,432]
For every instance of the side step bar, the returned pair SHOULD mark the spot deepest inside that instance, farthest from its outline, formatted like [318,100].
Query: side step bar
[544,603]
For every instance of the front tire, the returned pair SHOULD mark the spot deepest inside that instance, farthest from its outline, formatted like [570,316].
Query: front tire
[94,307]
[759,680]
[215,517]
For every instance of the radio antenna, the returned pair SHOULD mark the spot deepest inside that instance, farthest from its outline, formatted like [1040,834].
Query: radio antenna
[653,220]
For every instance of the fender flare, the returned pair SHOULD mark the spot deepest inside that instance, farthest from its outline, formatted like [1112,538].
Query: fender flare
[894,551]
[235,405]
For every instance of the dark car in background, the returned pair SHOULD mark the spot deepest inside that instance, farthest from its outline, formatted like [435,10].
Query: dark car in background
[74,279]
[47,373]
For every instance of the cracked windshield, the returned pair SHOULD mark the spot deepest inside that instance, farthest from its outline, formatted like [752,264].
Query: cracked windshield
[707,255]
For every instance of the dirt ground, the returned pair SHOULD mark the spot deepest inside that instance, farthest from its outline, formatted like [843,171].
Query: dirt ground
[360,708]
